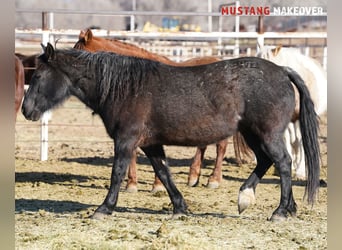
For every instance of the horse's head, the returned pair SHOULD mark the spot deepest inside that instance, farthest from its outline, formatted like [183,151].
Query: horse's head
[48,86]
[84,38]
[271,53]
[87,41]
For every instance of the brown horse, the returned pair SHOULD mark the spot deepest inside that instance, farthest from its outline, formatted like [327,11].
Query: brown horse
[87,41]
[29,62]
[19,84]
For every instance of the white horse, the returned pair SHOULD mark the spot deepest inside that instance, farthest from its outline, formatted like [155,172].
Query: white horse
[315,79]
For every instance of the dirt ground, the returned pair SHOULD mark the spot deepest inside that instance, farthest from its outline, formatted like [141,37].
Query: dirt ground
[54,198]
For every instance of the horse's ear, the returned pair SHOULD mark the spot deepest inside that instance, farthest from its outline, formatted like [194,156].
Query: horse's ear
[259,46]
[276,50]
[81,35]
[88,36]
[49,51]
[43,47]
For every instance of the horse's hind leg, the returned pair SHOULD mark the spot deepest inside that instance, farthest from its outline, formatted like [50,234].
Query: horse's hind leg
[272,150]
[157,185]
[247,190]
[300,159]
[157,157]
[132,182]
[216,176]
[195,168]
[275,148]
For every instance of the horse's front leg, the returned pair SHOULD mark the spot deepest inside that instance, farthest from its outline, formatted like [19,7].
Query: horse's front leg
[287,203]
[157,157]
[216,176]
[122,158]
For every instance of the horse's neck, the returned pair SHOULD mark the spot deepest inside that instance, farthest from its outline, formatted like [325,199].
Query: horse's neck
[127,49]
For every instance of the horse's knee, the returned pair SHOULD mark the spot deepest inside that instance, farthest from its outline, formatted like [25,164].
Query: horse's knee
[284,165]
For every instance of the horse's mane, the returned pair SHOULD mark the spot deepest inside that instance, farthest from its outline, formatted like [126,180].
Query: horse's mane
[120,47]
[116,76]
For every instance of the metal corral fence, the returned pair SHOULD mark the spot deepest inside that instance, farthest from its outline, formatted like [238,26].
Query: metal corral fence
[178,46]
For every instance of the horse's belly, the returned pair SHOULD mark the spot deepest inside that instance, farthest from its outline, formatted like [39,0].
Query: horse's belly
[199,132]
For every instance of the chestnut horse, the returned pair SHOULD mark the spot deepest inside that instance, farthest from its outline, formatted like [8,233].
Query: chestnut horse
[29,62]
[87,41]
[19,84]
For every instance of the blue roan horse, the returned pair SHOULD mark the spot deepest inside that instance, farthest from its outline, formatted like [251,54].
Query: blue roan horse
[148,104]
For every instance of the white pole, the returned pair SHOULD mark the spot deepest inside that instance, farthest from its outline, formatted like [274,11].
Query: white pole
[134,8]
[50,25]
[219,40]
[44,136]
[50,20]
[237,30]
[210,18]
[44,129]
[260,42]
[307,51]
[325,58]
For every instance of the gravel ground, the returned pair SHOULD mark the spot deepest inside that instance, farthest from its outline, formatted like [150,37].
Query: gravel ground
[55,197]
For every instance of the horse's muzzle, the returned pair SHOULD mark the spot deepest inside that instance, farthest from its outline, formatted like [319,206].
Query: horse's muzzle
[33,115]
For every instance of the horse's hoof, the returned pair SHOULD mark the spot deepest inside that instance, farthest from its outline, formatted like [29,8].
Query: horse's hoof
[158,188]
[277,218]
[323,183]
[178,216]
[213,184]
[246,198]
[193,182]
[99,216]
[131,189]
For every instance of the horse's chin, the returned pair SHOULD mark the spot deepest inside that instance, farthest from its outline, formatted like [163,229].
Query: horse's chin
[33,116]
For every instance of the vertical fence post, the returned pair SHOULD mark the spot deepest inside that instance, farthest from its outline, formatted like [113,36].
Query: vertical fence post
[210,18]
[44,121]
[325,58]
[237,30]
[260,42]
[307,51]
[132,21]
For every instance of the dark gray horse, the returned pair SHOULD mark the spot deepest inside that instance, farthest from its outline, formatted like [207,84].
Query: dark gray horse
[148,104]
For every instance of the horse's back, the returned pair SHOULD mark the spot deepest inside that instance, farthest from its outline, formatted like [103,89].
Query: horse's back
[216,97]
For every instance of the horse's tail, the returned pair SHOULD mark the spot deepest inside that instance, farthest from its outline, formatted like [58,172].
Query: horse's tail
[309,129]
[241,149]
